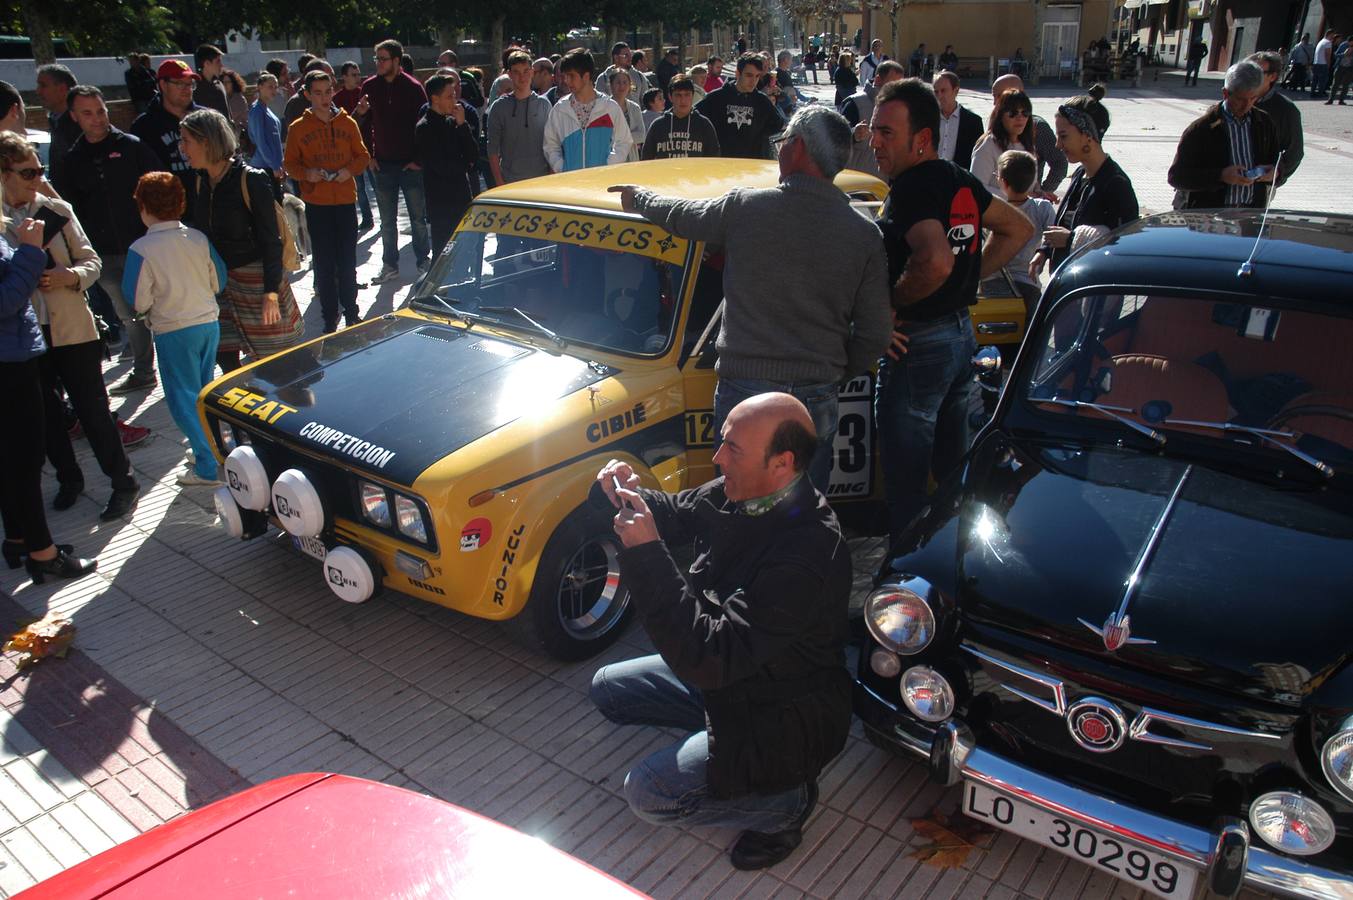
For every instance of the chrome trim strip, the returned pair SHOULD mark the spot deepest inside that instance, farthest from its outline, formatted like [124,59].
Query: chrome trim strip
[1056,706]
[1141,730]
[1187,843]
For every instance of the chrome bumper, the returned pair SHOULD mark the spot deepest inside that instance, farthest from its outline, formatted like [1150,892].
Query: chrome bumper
[953,757]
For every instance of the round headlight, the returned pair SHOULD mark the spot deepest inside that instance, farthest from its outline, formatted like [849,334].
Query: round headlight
[884,664]
[1291,823]
[927,694]
[1337,761]
[900,619]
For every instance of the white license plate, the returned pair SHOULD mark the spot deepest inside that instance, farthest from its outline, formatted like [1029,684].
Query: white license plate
[1151,871]
[310,546]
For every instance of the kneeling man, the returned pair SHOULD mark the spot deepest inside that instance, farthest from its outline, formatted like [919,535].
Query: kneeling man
[751,640]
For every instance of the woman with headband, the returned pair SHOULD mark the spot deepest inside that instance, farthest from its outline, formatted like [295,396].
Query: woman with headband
[1100,197]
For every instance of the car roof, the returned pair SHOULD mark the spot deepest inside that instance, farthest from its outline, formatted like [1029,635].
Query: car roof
[685,179]
[1302,256]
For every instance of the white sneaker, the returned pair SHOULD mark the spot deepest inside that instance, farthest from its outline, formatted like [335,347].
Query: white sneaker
[192,479]
[387,273]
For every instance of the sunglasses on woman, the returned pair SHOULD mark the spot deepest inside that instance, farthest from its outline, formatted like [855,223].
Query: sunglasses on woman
[29,174]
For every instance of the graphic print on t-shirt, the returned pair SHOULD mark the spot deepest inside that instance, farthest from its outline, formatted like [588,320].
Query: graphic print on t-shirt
[964,222]
[739,116]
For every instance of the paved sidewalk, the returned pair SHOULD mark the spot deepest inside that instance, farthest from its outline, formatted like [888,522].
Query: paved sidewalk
[204,664]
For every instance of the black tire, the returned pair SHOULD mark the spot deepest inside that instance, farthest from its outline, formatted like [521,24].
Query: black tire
[579,604]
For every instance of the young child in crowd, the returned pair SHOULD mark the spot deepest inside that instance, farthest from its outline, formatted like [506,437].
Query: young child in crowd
[172,277]
[1017,173]
[654,106]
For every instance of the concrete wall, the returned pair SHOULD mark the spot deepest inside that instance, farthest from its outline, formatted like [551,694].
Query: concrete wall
[106,71]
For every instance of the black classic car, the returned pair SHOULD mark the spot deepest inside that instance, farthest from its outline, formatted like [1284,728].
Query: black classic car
[1125,625]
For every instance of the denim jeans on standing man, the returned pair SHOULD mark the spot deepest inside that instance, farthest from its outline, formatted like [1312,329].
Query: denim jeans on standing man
[363,200]
[392,178]
[669,787]
[921,408]
[819,397]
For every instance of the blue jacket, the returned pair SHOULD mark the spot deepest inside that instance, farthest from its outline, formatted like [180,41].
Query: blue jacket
[266,133]
[20,336]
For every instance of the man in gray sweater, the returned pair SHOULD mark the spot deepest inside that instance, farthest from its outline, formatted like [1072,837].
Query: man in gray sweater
[1284,113]
[806,306]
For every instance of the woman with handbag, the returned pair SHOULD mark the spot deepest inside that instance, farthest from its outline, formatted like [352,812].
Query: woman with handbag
[75,355]
[27,538]
[234,208]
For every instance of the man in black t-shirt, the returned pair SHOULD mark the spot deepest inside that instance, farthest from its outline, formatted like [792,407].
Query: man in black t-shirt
[744,118]
[932,226]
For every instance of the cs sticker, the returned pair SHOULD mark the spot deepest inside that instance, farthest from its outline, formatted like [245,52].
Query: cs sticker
[475,534]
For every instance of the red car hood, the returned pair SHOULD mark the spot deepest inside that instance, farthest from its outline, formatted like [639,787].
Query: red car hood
[330,836]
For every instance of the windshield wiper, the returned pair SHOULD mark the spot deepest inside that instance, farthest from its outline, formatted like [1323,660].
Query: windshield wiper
[444,305]
[1113,413]
[558,341]
[1267,435]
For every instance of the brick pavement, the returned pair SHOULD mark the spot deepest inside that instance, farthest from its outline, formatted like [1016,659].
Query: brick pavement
[204,664]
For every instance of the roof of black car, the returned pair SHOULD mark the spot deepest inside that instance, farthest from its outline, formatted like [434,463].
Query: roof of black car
[1303,256]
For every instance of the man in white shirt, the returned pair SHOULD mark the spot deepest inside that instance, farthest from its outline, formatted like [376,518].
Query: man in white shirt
[960,128]
[871,61]
[1320,69]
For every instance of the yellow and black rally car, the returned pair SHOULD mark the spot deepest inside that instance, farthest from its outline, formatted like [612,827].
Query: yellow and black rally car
[445,450]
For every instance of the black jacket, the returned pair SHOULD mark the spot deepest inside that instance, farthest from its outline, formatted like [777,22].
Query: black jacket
[241,234]
[745,123]
[758,625]
[98,181]
[447,152]
[160,131]
[970,131]
[1287,120]
[1205,149]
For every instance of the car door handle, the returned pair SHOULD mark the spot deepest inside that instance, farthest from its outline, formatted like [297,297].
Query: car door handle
[997,327]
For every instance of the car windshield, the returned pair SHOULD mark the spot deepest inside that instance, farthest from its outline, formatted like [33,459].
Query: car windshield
[1161,367]
[565,278]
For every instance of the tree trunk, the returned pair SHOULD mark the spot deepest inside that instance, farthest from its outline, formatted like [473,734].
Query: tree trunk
[313,41]
[447,35]
[1035,56]
[659,36]
[496,44]
[39,31]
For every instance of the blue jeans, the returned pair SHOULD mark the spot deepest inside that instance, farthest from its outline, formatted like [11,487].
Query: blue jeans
[187,360]
[363,200]
[819,397]
[669,787]
[333,242]
[921,408]
[392,178]
[1319,78]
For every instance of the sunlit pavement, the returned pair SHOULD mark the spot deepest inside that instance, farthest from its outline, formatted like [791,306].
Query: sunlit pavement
[204,664]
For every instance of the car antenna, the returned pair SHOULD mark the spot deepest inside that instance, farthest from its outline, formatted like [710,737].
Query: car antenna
[1247,267]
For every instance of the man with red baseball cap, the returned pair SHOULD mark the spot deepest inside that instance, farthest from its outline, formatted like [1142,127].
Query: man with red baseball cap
[158,126]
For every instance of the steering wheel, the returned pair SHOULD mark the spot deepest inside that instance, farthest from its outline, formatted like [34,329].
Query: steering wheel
[1314,409]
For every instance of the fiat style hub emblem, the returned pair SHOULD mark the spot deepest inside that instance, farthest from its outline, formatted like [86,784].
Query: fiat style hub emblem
[1096,724]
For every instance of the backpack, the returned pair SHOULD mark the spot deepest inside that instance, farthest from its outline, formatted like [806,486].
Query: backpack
[291,259]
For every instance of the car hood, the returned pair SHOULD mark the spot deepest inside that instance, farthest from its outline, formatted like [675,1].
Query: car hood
[1242,586]
[397,394]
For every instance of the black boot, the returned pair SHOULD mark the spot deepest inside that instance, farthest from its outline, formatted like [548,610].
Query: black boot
[121,503]
[761,850]
[67,494]
[63,565]
[15,552]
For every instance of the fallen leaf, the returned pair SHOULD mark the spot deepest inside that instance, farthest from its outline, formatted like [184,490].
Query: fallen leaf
[951,839]
[49,636]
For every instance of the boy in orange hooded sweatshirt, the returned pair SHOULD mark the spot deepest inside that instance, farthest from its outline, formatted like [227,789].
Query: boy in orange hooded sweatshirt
[324,153]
